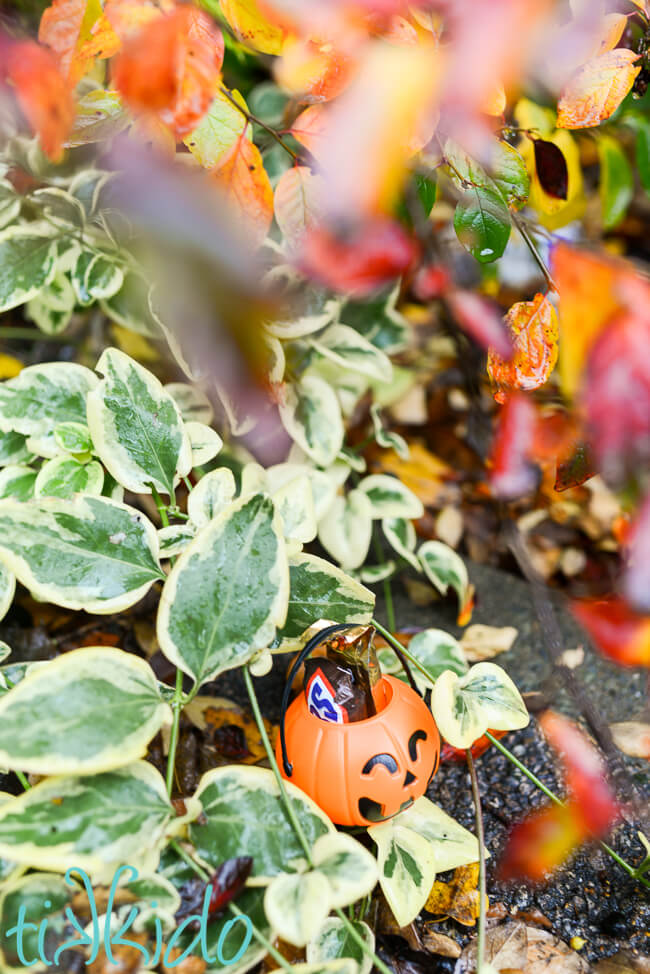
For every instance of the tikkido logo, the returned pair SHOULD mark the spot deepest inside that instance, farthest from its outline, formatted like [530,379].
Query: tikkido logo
[321,700]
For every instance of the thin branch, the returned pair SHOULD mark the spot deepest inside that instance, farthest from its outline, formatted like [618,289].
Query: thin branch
[258,121]
[480,945]
[530,243]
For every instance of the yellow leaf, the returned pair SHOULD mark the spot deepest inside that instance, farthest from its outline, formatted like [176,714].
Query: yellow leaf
[9,366]
[458,898]
[133,344]
[252,27]
[597,89]
[423,473]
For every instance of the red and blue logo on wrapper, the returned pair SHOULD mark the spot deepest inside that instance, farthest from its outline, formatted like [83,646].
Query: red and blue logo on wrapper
[321,700]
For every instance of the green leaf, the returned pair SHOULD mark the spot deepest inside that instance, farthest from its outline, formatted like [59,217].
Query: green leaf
[390,498]
[296,905]
[227,592]
[320,590]
[465,707]
[378,320]
[7,590]
[311,415]
[58,294]
[346,530]
[482,223]
[91,822]
[136,426]
[39,895]
[193,403]
[9,869]
[437,651]
[59,207]
[95,276]
[218,130]
[400,535]
[333,941]
[9,203]
[88,710]
[73,437]
[407,868]
[17,481]
[243,815]
[130,307]
[295,505]
[100,117]
[347,348]
[65,476]
[641,123]
[616,181]
[87,553]
[386,439]
[372,574]
[87,186]
[426,189]
[13,448]
[443,567]
[205,442]
[224,938]
[174,539]
[42,396]
[504,171]
[212,494]
[50,320]
[351,870]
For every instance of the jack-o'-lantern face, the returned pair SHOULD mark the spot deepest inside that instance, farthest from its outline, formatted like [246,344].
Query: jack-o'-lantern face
[392,782]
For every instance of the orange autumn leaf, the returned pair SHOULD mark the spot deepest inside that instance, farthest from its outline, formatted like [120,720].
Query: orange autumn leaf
[533,326]
[316,72]
[310,128]
[42,94]
[77,32]
[597,89]
[246,185]
[171,67]
[129,16]
[458,898]
[617,631]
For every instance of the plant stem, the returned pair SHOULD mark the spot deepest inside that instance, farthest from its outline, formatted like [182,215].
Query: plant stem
[631,870]
[480,945]
[33,334]
[177,706]
[530,243]
[402,649]
[23,780]
[258,121]
[199,870]
[162,507]
[293,818]
[388,594]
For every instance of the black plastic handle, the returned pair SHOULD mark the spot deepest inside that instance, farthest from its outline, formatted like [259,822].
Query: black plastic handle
[309,647]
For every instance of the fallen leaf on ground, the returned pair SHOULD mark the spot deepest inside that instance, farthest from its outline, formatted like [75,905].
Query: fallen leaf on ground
[483,642]
[632,737]
[505,949]
[625,962]
[572,657]
[549,955]
[423,473]
[229,727]
[439,943]
[458,898]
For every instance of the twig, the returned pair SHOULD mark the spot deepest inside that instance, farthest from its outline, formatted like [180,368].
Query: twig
[258,121]
[530,243]
[480,945]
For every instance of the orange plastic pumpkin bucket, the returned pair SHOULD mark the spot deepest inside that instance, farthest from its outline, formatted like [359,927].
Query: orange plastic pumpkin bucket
[364,772]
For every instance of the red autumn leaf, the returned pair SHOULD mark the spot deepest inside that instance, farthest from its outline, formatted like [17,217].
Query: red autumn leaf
[361,260]
[539,844]
[479,747]
[551,168]
[586,774]
[574,468]
[617,630]
[636,580]
[512,473]
[616,394]
[480,319]
[42,94]
[534,329]
[246,185]
[171,68]
[431,282]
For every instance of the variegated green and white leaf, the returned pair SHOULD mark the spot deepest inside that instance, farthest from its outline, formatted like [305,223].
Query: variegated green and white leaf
[9,203]
[60,207]
[93,822]
[130,307]
[8,868]
[89,710]
[350,869]
[437,651]
[73,438]
[87,185]
[400,535]
[7,592]
[193,403]
[17,481]
[353,460]
[407,868]
[311,415]
[175,538]
[44,446]
[13,673]
[378,320]
[333,941]
[252,479]
[27,262]
[239,421]
[42,396]
[58,294]
[323,487]
[243,815]
[320,590]
[64,476]
[100,116]
[444,567]
[212,494]
[349,350]
[296,905]
[95,276]
[485,697]
[136,426]
[48,319]
[389,497]
[346,530]
[304,324]
[87,553]
[295,504]
[224,937]
[371,574]
[41,895]
[348,385]
[227,592]
[205,442]
[13,449]
[343,966]
[274,362]
[386,438]
[452,844]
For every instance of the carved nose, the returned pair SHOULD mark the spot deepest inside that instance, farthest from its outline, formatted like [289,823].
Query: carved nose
[409,779]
